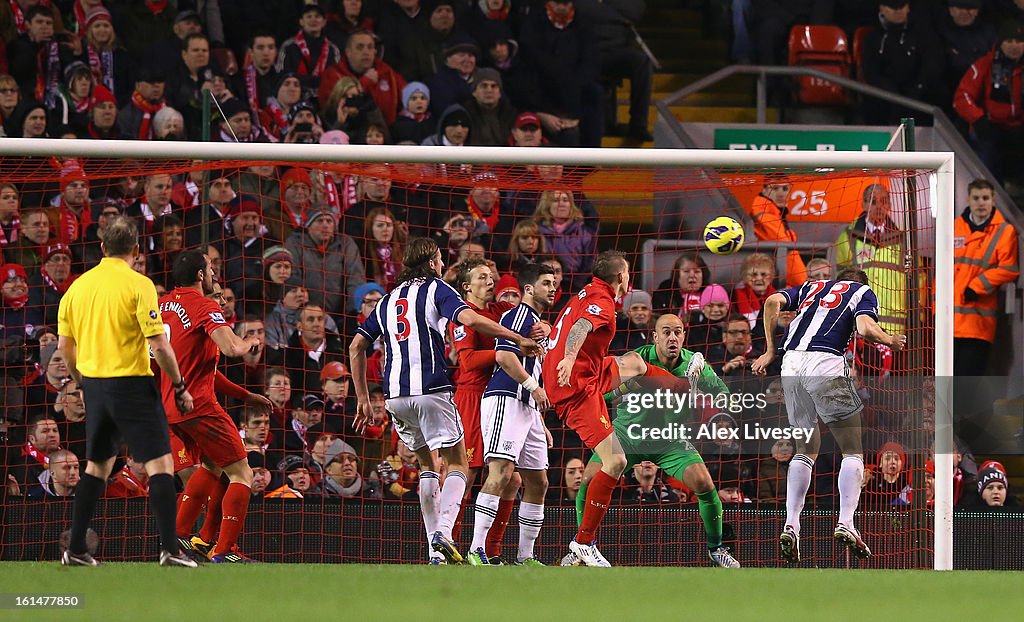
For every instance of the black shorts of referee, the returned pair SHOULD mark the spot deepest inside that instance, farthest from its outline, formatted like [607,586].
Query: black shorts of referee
[129,409]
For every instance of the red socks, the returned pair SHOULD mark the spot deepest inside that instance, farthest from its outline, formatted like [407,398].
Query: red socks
[199,488]
[234,507]
[497,530]
[211,523]
[599,496]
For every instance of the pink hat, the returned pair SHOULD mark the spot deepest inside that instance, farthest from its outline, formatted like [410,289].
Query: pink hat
[713,293]
[334,137]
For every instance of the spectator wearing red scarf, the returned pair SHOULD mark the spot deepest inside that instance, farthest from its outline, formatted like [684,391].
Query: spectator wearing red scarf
[748,297]
[15,318]
[103,116]
[74,99]
[309,53]
[135,120]
[48,286]
[383,241]
[71,213]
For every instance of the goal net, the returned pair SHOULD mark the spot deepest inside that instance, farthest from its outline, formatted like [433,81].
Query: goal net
[306,239]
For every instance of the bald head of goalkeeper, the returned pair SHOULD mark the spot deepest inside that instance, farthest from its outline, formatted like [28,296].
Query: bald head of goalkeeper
[669,335]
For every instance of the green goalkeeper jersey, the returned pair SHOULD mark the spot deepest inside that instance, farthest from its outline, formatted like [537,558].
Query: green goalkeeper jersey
[630,411]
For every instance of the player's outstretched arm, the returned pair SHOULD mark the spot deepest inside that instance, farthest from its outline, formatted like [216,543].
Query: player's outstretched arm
[231,344]
[357,357]
[486,326]
[772,307]
[869,329]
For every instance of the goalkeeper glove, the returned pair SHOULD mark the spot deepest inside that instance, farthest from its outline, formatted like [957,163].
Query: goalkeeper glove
[387,473]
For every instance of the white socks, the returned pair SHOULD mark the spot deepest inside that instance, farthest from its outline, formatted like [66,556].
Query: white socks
[429,485]
[450,501]
[797,483]
[531,519]
[486,512]
[851,474]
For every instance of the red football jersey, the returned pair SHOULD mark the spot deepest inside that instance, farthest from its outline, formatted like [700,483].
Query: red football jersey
[189,319]
[465,338]
[596,303]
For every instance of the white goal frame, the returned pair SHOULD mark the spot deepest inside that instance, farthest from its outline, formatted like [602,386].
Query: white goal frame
[941,182]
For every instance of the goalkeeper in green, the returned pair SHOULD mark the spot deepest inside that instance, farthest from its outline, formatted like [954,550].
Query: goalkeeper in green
[678,458]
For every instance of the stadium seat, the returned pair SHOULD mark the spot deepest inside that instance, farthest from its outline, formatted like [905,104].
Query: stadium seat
[823,48]
[858,49]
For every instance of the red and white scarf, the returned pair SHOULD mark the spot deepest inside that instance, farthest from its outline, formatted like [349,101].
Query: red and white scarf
[491,219]
[19,17]
[388,267]
[252,91]
[48,72]
[148,110]
[60,288]
[30,450]
[15,229]
[321,63]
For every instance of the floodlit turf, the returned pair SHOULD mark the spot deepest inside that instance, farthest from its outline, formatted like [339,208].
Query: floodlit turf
[287,592]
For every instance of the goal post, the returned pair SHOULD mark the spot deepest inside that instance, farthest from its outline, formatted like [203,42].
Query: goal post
[648,176]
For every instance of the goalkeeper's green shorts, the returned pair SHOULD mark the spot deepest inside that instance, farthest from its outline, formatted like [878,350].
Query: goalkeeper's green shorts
[672,458]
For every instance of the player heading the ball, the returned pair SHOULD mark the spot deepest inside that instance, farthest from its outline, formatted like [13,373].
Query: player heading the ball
[816,382]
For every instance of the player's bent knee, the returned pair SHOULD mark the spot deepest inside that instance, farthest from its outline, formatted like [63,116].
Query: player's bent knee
[162,465]
[614,465]
[698,478]
[631,364]
[239,472]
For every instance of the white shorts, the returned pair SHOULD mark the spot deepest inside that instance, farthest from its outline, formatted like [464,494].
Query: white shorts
[817,385]
[513,431]
[426,420]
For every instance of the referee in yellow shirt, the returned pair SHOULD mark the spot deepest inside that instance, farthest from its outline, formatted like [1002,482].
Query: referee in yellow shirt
[104,323]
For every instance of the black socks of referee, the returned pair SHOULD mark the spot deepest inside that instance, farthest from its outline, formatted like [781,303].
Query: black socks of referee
[88,490]
[162,500]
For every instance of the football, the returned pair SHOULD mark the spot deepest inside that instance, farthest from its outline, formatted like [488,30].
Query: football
[723,236]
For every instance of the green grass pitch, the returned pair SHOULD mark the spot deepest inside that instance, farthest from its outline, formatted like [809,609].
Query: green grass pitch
[286,592]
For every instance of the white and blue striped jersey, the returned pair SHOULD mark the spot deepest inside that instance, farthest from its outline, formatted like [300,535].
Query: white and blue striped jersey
[412,319]
[826,314]
[519,319]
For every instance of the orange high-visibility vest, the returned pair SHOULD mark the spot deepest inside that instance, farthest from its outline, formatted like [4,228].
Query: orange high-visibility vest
[770,226]
[982,260]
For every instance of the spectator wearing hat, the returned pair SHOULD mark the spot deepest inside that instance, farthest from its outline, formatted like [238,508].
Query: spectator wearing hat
[989,100]
[243,251]
[342,476]
[301,431]
[375,77]
[704,329]
[633,324]
[309,53]
[304,125]
[526,131]
[234,124]
[453,128]
[490,114]
[414,122]
[107,57]
[287,216]
[69,210]
[561,48]
[889,483]
[328,261]
[102,123]
[275,111]
[277,269]
[507,290]
[29,120]
[17,318]
[899,56]
[48,285]
[71,101]
[293,480]
[993,489]
[965,36]
[165,53]
[135,119]
[453,81]
[422,53]
[336,382]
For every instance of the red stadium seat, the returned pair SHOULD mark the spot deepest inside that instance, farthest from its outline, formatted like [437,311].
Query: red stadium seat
[858,49]
[823,48]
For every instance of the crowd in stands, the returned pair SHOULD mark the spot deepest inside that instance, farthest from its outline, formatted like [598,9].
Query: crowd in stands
[303,255]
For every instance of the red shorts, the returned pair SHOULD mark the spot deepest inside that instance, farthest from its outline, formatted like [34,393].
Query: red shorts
[212,436]
[467,401]
[183,455]
[585,412]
